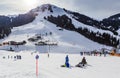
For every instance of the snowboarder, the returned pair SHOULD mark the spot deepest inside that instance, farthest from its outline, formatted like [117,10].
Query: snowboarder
[82,63]
[67,61]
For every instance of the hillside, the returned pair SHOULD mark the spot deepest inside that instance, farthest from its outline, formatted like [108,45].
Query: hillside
[60,30]
[68,41]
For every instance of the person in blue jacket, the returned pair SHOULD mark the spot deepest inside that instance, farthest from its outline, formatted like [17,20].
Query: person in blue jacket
[67,61]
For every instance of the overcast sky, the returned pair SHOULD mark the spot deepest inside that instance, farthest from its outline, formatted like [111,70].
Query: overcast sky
[94,8]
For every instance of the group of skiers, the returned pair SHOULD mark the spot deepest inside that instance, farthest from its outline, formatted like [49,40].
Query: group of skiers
[94,53]
[80,64]
[16,57]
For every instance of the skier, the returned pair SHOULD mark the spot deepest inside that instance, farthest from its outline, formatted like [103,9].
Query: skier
[81,53]
[48,55]
[11,49]
[15,58]
[8,56]
[104,54]
[67,61]
[100,54]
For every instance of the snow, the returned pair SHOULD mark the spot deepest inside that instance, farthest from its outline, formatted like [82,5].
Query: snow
[119,18]
[12,16]
[59,12]
[68,41]
[100,67]
[43,10]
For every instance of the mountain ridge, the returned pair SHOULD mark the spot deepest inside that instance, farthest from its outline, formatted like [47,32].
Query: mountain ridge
[77,22]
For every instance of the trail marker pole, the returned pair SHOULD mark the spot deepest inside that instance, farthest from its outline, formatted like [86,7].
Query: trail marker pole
[37,57]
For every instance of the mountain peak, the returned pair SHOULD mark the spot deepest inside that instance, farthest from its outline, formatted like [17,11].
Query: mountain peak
[44,7]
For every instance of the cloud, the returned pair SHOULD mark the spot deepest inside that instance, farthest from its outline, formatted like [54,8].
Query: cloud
[94,8]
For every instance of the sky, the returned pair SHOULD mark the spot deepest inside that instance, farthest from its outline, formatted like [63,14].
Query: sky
[98,9]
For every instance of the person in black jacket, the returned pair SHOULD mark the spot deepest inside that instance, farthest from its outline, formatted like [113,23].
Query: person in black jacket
[82,63]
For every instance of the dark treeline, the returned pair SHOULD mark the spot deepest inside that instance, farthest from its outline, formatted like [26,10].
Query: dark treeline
[7,23]
[4,31]
[102,38]
[112,23]
[13,21]
[62,21]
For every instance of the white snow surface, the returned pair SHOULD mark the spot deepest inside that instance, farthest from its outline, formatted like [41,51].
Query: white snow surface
[69,43]
[99,67]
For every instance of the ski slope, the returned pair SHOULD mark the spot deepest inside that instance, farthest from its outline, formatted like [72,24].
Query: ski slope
[100,67]
[68,41]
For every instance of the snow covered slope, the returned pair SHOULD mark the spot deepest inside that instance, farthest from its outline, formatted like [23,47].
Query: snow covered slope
[68,41]
[100,67]
[58,42]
